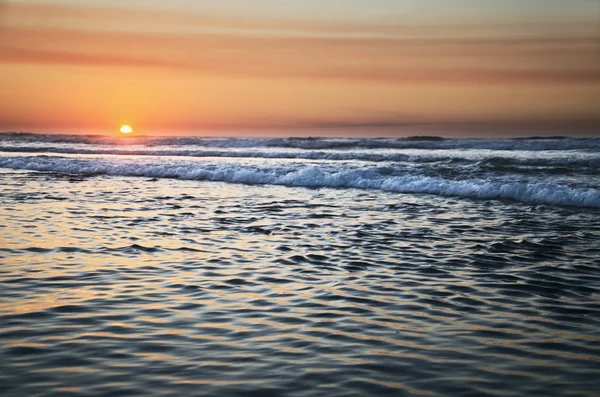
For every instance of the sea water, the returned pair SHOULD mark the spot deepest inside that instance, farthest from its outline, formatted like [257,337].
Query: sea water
[299,267]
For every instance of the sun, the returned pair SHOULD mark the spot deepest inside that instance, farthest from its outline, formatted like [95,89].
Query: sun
[126,129]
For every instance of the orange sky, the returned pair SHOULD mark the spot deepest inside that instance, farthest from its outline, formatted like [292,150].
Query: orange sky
[223,67]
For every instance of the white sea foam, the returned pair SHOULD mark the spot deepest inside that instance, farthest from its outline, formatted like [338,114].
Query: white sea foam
[321,176]
[485,157]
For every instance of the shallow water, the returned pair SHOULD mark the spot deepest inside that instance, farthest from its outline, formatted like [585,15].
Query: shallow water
[114,286]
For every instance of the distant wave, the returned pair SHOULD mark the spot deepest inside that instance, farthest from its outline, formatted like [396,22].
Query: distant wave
[379,178]
[416,142]
[483,159]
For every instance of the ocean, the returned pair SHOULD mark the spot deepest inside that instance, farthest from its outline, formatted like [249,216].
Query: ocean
[419,266]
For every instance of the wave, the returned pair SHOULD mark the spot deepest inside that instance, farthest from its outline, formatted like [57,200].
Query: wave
[378,178]
[415,142]
[490,160]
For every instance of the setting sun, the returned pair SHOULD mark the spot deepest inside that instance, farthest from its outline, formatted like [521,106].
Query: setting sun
[126,129]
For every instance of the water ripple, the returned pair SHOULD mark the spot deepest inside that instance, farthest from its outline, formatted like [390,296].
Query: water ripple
[191,288]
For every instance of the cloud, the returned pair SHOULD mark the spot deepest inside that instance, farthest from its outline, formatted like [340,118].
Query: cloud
[37,56]
[351,59]
[68,14]
[544,52]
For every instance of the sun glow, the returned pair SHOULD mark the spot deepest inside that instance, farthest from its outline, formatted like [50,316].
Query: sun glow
[126,129]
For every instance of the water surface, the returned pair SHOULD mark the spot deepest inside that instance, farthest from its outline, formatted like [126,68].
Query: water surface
[118,285]
[130,286]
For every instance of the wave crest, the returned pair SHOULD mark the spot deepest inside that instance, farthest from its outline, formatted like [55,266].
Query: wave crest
[378,178]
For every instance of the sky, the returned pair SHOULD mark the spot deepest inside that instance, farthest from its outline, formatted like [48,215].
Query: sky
[300,67]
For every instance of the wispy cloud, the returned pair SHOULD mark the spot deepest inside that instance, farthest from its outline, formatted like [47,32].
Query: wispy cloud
[556,59]
[94,15]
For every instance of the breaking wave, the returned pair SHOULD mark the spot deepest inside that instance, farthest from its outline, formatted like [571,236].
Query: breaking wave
[488,158]
[323,176]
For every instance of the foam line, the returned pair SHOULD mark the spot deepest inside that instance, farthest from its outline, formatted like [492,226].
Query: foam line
[379,178]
